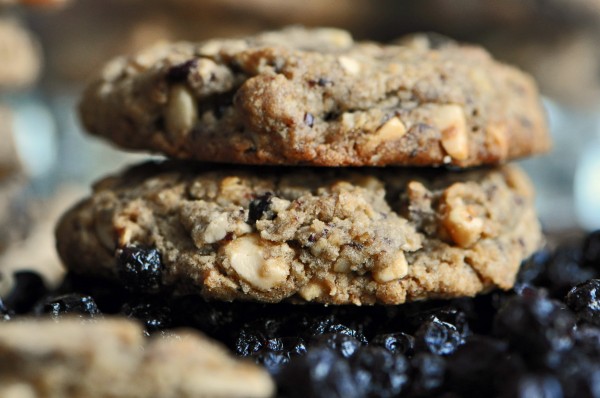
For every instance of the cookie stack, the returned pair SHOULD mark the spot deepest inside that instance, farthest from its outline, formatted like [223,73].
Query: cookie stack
[276,190]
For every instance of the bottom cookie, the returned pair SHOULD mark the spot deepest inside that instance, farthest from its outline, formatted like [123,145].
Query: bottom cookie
[111,358]
[335,236]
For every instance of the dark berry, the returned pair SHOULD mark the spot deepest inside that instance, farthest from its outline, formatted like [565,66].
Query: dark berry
[427,374]
[294,346]
[73,303]
[328,324]
[108,295]
[140,269]
[342,344]
[565,270]
[154,316]
[584,300]
[28,289]
[213,318]
[179,73]
[259,207]
[249,342]
[531,385]
[533,268]
[536,326]
[396,343]
[273,361]
[591,250]
[319,373]
[378,373]
[472,368]
[437,337]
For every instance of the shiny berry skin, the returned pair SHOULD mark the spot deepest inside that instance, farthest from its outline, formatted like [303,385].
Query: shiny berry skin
[319,373]
[437,337]
[538,327]
[154,316]
[73,303]
[140,269]
[584,300]
[342,344]
[396,343]
[379,373]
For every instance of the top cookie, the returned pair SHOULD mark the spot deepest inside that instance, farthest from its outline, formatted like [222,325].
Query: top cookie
[316,97]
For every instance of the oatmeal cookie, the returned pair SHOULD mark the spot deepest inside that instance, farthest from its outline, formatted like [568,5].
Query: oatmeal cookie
[111,358]
[316,97]
[336,236]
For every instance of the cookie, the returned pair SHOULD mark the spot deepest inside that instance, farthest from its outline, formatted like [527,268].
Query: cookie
[316,97]
[20,55]
[110,358]
[336,236]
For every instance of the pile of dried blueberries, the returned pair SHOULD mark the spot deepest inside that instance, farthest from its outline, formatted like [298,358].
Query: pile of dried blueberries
[541,339]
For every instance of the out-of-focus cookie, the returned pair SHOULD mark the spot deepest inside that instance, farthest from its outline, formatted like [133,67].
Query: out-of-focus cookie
[111,358]
[316,97]
[20,55]
[337,236]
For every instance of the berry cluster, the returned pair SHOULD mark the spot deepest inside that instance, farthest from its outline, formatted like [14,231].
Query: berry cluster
[542,338]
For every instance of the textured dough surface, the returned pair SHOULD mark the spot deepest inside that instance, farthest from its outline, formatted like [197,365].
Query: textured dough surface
[338,236]
[111,358]
[316,97]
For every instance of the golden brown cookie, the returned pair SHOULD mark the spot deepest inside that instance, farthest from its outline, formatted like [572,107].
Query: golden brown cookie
[316,97]
[337,236]
[111,358]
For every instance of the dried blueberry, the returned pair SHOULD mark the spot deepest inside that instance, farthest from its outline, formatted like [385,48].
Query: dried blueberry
[437,337]
[328,324]
[532,385]
[249,342]
[260,207]
[28,289]
[565,270]
[319,373]
[179,73]
[378,373]
[396,343]
[536,326]
[153,315]
[273,361]
[591,250]
[584,300]
[427,374]
[73,303]
[472,368]
[342,344]
[140,269]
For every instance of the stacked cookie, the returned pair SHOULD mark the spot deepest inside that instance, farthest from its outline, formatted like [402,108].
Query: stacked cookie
[276,191]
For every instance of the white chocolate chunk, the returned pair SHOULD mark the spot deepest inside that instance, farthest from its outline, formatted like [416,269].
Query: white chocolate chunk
[181,113]
[391,130]
[398,269]
[350,65]
[216,229]
[247,257]
[452,122]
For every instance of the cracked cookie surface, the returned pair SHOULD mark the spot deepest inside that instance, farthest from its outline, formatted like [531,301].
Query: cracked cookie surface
[316,97]
[337,236]
[111,357]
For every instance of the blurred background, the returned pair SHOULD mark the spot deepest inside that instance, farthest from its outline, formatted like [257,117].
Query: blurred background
[50,48]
